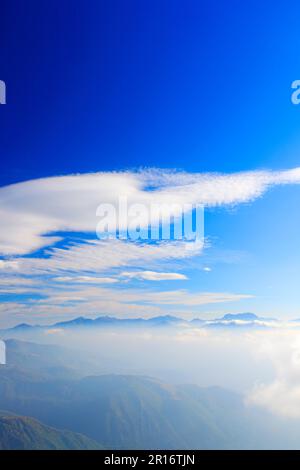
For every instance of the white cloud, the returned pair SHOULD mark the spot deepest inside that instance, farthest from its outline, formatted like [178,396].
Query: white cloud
[17,281]
[31,210]
[140,296]
[282,395]
[8,265]
[183,297]
[86,279]
[95,256]
[153,276]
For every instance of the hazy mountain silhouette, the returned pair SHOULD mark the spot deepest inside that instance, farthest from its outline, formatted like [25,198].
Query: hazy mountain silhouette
[122,411]
[228,320]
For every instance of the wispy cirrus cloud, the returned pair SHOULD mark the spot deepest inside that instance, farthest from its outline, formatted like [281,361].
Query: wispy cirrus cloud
[97,256]
[32,210]
[74,300]
[86,279]
[153,276]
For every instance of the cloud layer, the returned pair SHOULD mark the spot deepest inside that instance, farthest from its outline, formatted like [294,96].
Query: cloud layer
[281,395]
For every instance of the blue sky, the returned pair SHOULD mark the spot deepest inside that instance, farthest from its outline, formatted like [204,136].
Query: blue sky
[194,86]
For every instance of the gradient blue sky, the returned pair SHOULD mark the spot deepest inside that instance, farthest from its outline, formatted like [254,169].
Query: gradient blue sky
[200,86]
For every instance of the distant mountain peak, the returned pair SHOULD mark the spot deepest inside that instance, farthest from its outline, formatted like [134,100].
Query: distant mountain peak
[22,326]
[240,316]
[76,321]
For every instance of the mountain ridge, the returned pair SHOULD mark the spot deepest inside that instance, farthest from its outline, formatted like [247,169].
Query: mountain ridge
[157,321]
[26,433]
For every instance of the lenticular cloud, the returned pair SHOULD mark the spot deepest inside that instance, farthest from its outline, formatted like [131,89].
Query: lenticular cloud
[33,210]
